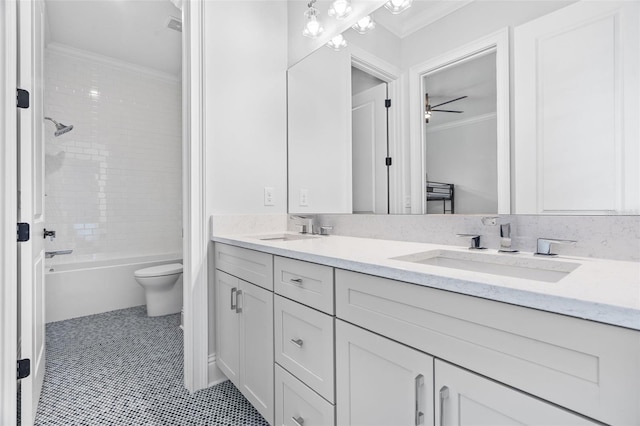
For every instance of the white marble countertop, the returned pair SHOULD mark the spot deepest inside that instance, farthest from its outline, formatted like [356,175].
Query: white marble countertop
[605,291]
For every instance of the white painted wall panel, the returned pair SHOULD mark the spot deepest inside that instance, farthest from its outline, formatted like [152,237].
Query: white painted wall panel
[245,110]
[576,108]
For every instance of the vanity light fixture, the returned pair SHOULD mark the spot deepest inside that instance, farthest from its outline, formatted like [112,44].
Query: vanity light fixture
[364,25]
[312,28]
[337,43]
[340,9]
[398,6]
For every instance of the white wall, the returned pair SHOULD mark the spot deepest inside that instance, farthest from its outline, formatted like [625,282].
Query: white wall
[113,184]
[245,79]
[465,155]
[245,55]
[469,23]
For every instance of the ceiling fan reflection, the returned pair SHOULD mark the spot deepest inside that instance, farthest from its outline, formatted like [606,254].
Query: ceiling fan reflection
[429,109]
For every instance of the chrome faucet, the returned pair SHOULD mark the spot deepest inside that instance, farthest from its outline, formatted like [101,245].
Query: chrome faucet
[544,246]
[306,223]
[505,239]
[475,241]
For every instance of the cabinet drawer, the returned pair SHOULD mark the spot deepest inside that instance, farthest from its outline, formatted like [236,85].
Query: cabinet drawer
[296,401]
[304,282]
[587,367]
[304,344]
[249,265]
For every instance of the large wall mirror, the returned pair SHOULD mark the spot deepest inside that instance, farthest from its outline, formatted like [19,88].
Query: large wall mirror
[471,107]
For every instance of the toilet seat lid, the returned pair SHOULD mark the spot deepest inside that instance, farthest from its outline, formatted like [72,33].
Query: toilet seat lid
[160,270]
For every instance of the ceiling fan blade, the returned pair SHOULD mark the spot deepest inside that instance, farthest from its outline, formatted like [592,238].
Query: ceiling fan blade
[446,110]
[448,102]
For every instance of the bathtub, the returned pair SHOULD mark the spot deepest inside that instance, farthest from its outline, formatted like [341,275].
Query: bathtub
[78,289]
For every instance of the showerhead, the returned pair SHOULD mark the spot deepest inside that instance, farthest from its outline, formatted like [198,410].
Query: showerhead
[61,129]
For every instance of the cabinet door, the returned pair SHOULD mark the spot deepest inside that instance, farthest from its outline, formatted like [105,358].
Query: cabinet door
[381,382]
[464,398]
[227,326]
[256,347]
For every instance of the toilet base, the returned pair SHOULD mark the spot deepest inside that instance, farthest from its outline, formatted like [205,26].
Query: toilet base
[164,302]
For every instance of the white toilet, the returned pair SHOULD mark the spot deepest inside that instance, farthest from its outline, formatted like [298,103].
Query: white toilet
[161,292]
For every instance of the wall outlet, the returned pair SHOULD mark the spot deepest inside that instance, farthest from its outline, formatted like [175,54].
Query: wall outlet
[304,198]
[407,202]
[268,196]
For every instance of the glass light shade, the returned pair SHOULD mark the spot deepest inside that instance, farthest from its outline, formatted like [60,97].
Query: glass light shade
[336,43]
[313,28]
[364,25]
[340,9]
[398,6]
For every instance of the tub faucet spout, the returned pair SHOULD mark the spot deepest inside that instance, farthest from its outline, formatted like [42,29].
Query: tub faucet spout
[50,254]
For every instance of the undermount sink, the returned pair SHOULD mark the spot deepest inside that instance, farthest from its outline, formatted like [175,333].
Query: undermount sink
[506,265]
[286,237]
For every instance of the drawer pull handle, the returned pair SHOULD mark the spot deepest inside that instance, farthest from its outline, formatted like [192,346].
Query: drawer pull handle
[234,299]
[238,307]
[444,394]
[419,414]
[297,342]
[296,280]
[298,420]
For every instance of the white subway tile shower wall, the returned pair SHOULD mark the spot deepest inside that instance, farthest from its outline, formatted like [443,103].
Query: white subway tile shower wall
[114,183]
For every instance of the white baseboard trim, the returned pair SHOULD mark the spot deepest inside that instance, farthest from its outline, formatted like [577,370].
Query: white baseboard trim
[214,375]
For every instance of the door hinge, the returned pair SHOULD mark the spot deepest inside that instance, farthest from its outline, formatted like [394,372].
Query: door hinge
[22,98]
[23,232]
[24,368]
[387,161]
[387,103]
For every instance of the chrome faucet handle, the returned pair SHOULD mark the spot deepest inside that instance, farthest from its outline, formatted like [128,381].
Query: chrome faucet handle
[324,230]
[544,246]
[475,241]
[505,239]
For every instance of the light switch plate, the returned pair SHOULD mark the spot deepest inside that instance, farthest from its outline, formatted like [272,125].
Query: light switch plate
[268,196]
[304,198]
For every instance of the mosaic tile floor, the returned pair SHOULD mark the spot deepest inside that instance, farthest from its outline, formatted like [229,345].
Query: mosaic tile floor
[124,368]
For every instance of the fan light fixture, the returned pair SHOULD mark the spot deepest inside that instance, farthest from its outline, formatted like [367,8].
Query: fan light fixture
[364,25]
[312,28]
[398,6]
[340,9]
[337,43]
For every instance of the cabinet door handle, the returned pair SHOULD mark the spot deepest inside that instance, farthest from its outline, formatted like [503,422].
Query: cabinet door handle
[298,420]
[238,307]
[444,394]
[297,342]
[234,299]
[296,280]
[419,385]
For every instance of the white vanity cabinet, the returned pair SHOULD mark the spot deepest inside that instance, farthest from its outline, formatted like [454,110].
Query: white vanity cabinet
[355,349]
[589,368]
[304,343]
[244,328]
[464,398]
[381,382]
